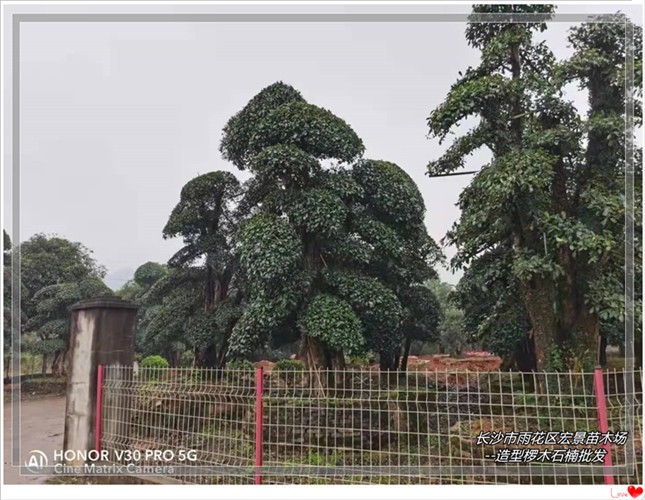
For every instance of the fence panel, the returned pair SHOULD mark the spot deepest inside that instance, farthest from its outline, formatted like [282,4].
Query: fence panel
[210,411]
[360,426]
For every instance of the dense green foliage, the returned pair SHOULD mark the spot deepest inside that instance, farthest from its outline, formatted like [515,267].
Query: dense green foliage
[494,314]
[148,274]
[238,130]
[289,365]
[195,305]
[136,291]
[50,260]
[51,319]
[55,274]
[333,320]
[450,332]
[154,361]
[552,195]
[328,252]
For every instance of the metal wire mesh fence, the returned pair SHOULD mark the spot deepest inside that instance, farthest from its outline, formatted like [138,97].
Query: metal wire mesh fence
[360,426]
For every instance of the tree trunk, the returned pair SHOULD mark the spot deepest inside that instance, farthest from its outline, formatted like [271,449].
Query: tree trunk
[43,366]
[538,301]
[406,353]
[313,354]
[56,364]
[65,363]
[210,356]
[516,120]
[209,294]
[316,356]
[525,356]
[173,358]
[221,359]
[602,355]
[586,340]
[388,361]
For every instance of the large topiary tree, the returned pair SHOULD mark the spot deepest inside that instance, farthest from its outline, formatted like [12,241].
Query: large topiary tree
[387,219]
[326,249]
[195,302]
[282,139]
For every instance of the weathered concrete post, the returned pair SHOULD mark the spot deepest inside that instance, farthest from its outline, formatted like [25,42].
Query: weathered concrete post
[101,333]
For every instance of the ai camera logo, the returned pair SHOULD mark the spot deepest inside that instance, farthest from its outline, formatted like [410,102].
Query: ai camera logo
[37,462]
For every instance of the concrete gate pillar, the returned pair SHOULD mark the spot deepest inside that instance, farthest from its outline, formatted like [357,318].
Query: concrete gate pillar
[101,333]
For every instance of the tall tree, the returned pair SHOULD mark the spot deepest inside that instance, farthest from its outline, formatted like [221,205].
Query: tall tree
[50,260]
[328,250]
[540,194]
[282,139]
[422,316]
[136,290]
[51,320]
[55,273]
[206,218]
[605,53]
[388,219]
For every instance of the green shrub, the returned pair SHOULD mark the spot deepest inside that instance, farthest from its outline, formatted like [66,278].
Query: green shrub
[289,365]
[154,361]
[240,364]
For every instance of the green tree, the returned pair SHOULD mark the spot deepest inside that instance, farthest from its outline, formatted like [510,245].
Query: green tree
[387,217]
[292,220]
[51,320]
[174,317]
[422,317]
[494,313]
[149,273]
[600,65]
[135,290]
[55,273]
[451,332]
[50,260]
[327,249]
[544,195]
[199,292]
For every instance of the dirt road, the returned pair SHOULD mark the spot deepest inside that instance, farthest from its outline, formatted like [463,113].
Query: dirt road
[42,423]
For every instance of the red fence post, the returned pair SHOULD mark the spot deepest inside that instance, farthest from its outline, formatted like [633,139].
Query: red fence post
[601,406]
[99,408]
[259,412]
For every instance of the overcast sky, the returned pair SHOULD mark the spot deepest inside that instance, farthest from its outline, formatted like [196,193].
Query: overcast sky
[117,117]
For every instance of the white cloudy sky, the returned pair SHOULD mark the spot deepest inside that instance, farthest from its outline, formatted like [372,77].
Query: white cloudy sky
[117,117]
